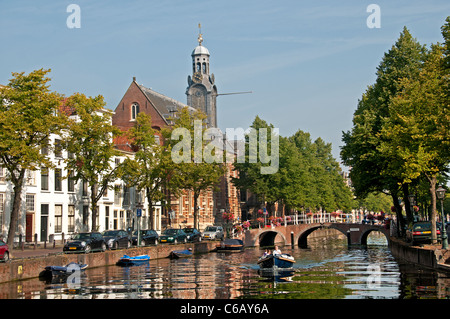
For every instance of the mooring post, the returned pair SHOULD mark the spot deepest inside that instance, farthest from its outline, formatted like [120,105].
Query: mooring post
[292,239]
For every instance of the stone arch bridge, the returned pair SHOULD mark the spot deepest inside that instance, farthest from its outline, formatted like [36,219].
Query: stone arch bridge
[298,234]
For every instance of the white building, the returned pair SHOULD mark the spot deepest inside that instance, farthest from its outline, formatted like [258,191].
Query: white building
[54,206]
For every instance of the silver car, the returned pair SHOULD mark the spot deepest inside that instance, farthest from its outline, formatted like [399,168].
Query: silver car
[213,232]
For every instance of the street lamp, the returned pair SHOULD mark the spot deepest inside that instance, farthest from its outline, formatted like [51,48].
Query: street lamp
[440,193]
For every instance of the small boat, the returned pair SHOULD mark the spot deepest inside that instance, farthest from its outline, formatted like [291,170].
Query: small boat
[230,245]
[174,254]
[62,271]
[131,261]
[277,260]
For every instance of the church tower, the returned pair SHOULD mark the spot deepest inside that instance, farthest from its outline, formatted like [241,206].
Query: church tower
[202,91]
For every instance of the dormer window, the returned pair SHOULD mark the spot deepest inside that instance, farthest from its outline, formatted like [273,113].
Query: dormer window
[134,111]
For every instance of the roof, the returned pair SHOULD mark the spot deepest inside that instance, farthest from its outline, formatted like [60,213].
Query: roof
[165,105]
[200,50]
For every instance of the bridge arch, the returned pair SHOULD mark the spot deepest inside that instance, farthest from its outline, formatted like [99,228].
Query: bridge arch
[365,235]
[267,238]
[302,237]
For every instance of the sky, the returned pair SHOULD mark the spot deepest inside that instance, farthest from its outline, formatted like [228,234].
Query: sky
[306,62]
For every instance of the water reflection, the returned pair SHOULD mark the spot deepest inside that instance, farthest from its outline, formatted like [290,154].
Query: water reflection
[328,270]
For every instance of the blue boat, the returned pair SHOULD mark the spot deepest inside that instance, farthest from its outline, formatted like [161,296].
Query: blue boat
[277,260]
[132,261]
[174,254]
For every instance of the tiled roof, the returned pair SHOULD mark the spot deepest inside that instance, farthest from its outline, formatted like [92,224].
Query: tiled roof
[165,105]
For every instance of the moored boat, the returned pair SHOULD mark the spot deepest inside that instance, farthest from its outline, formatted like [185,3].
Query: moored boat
[276,260]
[62,271]
[131,261]
[230,245]
[174,254]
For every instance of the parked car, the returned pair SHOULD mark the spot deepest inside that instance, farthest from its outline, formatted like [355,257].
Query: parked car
[193,234]
[116,239]
[420,232]
[173,235]
[148,237]
[213,232]
[85,242]
[4,251]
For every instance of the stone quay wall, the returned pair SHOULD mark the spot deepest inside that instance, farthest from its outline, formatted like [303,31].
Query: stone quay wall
[26,268]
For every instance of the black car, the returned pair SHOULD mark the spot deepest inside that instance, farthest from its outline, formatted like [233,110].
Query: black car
[148,237]
[420,232]
[85,242]
[193,234]
[173,235]
[116,239]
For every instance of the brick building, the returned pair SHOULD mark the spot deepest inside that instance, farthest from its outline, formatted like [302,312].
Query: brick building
[201,95]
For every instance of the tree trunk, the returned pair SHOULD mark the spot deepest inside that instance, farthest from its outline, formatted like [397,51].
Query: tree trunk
[151,216]
[14,215]
[433,180]
[17,201]
[398,211]
[409,213]
[94,208]
[196,222]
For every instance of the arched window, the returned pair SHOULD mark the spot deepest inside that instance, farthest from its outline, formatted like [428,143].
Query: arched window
[204,68]
[134,110]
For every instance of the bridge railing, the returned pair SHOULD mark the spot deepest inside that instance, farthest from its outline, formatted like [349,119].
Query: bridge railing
[303,218]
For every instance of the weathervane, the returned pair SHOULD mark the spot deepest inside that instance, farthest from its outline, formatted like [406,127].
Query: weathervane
[200,38]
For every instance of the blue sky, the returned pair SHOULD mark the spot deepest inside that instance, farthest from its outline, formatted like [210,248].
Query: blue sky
[306,62]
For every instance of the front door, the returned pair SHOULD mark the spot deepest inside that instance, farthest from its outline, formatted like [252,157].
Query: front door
[44,222]
[29,228]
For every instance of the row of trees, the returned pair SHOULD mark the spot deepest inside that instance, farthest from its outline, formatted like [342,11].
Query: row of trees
[400,140]
[30,113]
[308,177]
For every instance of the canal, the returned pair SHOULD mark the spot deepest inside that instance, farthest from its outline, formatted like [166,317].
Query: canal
[327,269]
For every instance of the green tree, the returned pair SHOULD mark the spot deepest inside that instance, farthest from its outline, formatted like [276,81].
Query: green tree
[195,171]
[417,131]
[268,186]
[371,169]
[152,168]
[90,140]
[29,114]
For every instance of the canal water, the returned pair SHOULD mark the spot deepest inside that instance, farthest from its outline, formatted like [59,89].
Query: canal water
[328,269]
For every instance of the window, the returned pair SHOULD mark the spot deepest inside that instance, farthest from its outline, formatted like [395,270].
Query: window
[106,217]
[71,183]
[44,178]
[2,174]
[30,202]
[71,219]
[85,217]
[134,110]
[58,179]
[117,194]
[58,218]
[85,188]
[58,148]
[126,196]
[44,148]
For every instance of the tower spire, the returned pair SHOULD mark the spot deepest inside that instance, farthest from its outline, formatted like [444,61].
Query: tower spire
[200,37]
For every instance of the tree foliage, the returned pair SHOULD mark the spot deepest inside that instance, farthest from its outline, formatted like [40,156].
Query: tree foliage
[29,114]
[90,141]
[308,176]
[400,130]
